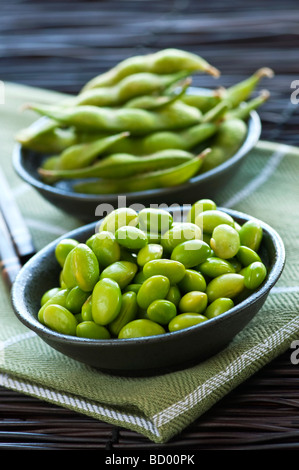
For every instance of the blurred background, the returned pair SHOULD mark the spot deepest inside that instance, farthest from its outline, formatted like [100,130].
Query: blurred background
[60,45]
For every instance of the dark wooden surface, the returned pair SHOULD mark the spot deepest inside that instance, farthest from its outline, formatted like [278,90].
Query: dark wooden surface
[60,45]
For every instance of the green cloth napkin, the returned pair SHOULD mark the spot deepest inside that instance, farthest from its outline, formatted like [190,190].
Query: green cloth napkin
[158,407]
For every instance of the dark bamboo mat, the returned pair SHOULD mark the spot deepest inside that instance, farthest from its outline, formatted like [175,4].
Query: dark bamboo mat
[60,45]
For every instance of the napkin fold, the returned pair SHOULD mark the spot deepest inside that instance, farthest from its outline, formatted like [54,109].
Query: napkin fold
[161,406]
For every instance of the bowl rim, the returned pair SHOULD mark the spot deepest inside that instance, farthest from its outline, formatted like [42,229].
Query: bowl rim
[28,318]
[252,137]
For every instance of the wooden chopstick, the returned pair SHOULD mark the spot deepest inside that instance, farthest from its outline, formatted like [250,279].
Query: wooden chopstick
[9,261]
[16,226]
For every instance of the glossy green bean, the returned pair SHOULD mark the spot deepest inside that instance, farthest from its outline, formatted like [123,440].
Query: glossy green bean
[153,180]
[161,62]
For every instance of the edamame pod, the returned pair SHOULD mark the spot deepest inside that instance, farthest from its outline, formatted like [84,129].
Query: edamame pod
[106,301]
[205,99]
[161,62]
[118,166]
[133,120]
[154,180]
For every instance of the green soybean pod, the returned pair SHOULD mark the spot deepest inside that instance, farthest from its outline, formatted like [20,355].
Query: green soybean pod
[192,281]
[128,312]
[200,206]
[106,301]
[215,266]
[154,220]
[179,232]
[59,299]
[59,319]
[225,241]
[193,301]
[122,272]
[227,285]
[251,234]
[141,328]
[247,256]
[105,247]
[218,306]
[254,275]
[173,270]
[174,295]
[161,311]
[49,294]
[153,288]
[191,253]
[149,252]
[81,268]
[185,320]
[209,219]
[118,218]
[63,248]
[75,299]
[90,330]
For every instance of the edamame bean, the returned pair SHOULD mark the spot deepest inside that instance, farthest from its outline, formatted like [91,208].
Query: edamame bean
[49,294]
[75,299]
[225,241]
[81,268]
[227,285]
[153,288]
[199,207]
[247,256]
[215,266]
[128,312]
[218,306]
[122,272]
[141,327]
[59,319]
[131,238]
[173,270]
[153,220]
[86,310]
[161,311]
[254,275]
[179,233]
[119,218]
[192,281]
[105,247]
[89,329]
[251,234]
[148,253]
[174,295]
[193,301]
[185,320]
[209,219]
[63,248]
[106,301]
[58,299]
[134,287]
[191,253]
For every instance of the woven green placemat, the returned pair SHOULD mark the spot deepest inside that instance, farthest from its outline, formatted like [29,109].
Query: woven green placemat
[158,407]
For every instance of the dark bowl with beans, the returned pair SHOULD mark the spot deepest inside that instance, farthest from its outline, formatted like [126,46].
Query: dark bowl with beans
[84,205]
[162,351]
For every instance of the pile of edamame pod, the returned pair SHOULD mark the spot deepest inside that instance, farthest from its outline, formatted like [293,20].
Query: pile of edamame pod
[139,118]
[143,274]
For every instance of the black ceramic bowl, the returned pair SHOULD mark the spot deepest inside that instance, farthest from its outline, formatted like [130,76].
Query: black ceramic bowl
[143,355]
[83,206]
